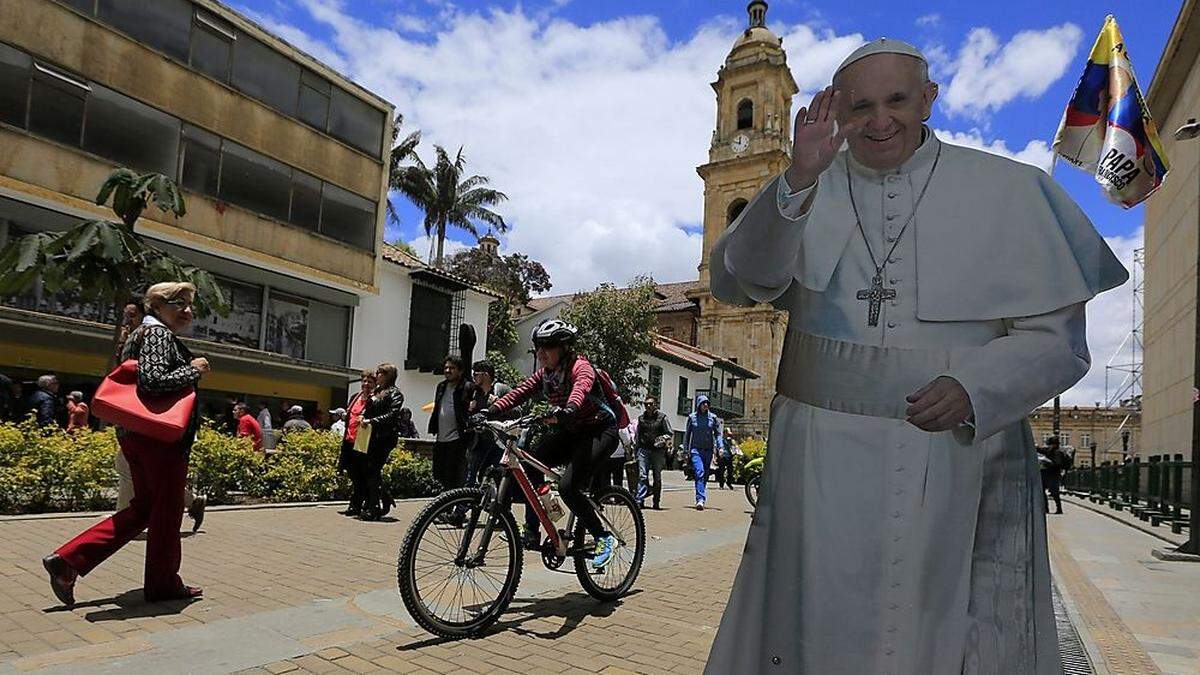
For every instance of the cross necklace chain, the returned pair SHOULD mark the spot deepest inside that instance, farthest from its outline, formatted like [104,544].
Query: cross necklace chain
[876,294]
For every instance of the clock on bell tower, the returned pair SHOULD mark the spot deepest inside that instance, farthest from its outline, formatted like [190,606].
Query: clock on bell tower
[750,145]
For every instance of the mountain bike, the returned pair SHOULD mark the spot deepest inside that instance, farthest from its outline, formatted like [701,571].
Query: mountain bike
[460,562]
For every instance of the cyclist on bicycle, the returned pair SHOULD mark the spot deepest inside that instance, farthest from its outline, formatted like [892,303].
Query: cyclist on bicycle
[583,432]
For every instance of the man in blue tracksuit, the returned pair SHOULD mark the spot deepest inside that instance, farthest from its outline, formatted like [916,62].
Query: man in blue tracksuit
[703,436]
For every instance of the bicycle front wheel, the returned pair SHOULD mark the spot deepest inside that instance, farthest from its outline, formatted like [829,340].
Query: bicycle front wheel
[616,578]
[450,594]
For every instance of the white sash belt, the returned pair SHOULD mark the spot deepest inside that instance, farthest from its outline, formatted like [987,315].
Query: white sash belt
[855,378]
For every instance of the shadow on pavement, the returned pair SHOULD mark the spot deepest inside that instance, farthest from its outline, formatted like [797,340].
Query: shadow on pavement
[573,608]
[132,605]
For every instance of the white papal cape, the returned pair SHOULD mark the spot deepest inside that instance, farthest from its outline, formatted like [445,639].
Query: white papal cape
[877,547]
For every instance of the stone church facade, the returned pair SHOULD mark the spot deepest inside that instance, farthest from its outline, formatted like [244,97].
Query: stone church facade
[750,145]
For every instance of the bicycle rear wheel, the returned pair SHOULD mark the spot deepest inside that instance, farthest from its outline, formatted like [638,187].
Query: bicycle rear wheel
[455,598]
[752,489]
[616,578]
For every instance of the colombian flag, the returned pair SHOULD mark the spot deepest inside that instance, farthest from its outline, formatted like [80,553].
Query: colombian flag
[1107,130]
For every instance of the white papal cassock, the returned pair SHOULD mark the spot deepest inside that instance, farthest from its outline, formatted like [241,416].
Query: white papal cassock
[877,547]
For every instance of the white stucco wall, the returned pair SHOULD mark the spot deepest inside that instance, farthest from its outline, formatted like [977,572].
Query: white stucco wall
[381,335]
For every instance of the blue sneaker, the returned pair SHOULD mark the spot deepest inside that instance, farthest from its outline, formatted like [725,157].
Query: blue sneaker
[604,551]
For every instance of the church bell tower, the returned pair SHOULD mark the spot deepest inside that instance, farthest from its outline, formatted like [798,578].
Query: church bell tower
[750,145]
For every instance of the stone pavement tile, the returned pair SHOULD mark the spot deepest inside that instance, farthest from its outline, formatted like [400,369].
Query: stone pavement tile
[281,667]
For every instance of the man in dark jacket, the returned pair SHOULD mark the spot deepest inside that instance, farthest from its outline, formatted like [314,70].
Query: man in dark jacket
[486,452]
[448,424]
[44,401]
[1052,475]
[652,439]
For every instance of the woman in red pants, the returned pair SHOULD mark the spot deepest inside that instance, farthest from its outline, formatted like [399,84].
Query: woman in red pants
[159,469]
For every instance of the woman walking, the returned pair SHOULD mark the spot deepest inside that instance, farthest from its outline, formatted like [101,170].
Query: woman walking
[351,461]
[159,469]
[382,414]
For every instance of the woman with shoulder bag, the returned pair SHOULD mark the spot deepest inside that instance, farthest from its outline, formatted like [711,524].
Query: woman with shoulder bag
[350,460]
[383,416]
[165,367]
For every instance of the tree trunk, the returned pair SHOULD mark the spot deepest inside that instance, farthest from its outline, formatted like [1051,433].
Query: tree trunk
[116,338]
[441,241]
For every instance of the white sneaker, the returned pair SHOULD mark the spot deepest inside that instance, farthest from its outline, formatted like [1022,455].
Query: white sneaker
[699,506]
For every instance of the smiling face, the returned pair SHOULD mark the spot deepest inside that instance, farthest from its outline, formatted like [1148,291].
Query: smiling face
[175,313]
[889,96]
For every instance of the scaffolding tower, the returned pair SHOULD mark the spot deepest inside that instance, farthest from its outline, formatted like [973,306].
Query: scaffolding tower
[1123,373]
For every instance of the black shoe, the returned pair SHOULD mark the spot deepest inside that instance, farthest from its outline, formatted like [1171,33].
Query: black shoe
[370,516]
[657,507]
[351,512]
[196,511]
[62,578]
[388,503]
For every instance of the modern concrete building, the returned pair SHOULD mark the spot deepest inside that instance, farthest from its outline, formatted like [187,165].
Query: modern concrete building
[282,162]
[1171,225]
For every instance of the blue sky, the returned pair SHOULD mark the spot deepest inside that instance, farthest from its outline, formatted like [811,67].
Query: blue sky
[592,116]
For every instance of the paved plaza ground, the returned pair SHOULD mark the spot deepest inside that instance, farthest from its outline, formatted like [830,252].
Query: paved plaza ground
[308,590]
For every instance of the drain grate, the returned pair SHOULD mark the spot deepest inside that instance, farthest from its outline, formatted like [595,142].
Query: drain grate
[1075,659]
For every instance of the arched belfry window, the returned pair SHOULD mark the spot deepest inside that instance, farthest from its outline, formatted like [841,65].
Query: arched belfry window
[735,209]
[745,114]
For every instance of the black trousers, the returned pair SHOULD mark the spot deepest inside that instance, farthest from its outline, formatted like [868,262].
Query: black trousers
[724,470]
[450,463]
[583,452]
[372,477]
[610,472]
[1050,482]
[353,463]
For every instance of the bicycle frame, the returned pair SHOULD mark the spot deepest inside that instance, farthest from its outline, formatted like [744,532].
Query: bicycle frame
[496,498]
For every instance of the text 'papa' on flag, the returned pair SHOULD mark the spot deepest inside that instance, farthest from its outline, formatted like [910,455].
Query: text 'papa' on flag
[1107,129]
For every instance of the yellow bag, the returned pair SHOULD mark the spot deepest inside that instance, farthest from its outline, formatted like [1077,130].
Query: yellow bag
[363,439]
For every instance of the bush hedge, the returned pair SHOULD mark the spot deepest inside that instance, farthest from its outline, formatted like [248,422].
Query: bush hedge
[51,470]
[751,449]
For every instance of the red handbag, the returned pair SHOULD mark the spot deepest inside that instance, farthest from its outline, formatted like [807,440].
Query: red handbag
[118,401]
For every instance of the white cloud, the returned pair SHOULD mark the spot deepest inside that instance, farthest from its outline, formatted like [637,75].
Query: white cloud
[929,20]
[988,75]
[1038,153]
[594,131]
[1109,321]
[411,23]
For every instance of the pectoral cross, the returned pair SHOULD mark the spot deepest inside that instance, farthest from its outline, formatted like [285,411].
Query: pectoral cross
[875,295]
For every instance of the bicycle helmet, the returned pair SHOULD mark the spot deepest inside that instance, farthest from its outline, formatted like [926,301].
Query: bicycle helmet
[554,332]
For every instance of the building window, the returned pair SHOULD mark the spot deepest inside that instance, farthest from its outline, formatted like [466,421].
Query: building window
[162,24]
[745,114]
[313,106]
[212,46]
[265,74]
[348,217]
[201,161]
[306,201]
[130,133]
[735,210]
[244,321]
[56,105]
[355,122]
[287,325]
[1085,440]
[428,328]
[1064,438]
[328,333]
[14,85]
[654,382]
[684,404]
[255,181]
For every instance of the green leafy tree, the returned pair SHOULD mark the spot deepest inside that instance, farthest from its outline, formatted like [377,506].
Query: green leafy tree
[516,277]
[616,329]
[447,198]
[505,372]
[103,261]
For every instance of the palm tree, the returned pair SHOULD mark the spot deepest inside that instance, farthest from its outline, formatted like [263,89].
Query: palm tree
[449,199]
[399,164]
